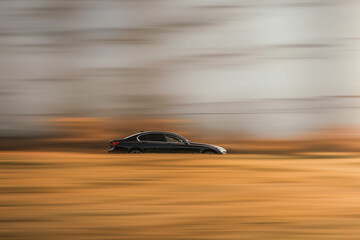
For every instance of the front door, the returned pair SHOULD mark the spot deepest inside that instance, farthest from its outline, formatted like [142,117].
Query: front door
[177,145]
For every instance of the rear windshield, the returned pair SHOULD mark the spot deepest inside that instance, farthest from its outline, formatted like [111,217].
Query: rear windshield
[131,137]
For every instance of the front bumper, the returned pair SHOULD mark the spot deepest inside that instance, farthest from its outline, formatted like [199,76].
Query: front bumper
[221,150]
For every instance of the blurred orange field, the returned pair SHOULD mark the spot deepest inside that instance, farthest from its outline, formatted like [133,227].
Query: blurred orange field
[47,196]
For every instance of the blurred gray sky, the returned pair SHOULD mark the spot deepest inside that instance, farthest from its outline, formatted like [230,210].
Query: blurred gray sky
[255,66]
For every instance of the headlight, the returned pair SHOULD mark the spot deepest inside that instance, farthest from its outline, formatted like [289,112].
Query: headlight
[222,150]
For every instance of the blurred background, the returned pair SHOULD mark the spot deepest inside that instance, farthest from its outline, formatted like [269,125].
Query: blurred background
[258,75]
[274,80]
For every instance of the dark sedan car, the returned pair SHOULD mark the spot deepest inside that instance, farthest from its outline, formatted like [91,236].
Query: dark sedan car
[161,142]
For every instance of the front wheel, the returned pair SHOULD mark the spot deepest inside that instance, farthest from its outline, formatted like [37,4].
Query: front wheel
[209,152]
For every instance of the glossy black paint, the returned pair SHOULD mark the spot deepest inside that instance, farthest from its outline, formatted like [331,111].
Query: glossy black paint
[160,142]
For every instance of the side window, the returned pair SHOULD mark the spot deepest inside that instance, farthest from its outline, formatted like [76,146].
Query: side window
[142,137]
[156,137]
[172,139]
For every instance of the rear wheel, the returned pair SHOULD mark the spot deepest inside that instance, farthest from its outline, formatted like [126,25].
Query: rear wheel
[209,152]
[135,151]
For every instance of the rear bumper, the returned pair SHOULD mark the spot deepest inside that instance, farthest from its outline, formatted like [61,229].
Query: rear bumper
[118,149]
[115,149]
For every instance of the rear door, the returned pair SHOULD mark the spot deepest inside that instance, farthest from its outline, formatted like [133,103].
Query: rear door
[154,143]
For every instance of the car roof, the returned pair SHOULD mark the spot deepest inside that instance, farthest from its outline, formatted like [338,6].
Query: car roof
[146,132]
[149,132]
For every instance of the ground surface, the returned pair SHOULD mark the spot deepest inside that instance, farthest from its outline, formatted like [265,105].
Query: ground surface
[90,196]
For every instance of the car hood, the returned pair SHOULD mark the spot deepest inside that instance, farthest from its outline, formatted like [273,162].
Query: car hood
[204,145]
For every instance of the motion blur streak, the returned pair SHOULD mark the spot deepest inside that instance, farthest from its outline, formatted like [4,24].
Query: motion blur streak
[253,197]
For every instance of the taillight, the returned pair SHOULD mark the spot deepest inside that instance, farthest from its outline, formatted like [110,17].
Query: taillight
[114,143]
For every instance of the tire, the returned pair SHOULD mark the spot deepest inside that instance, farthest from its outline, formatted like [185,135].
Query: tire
[135,151]
[209,152]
